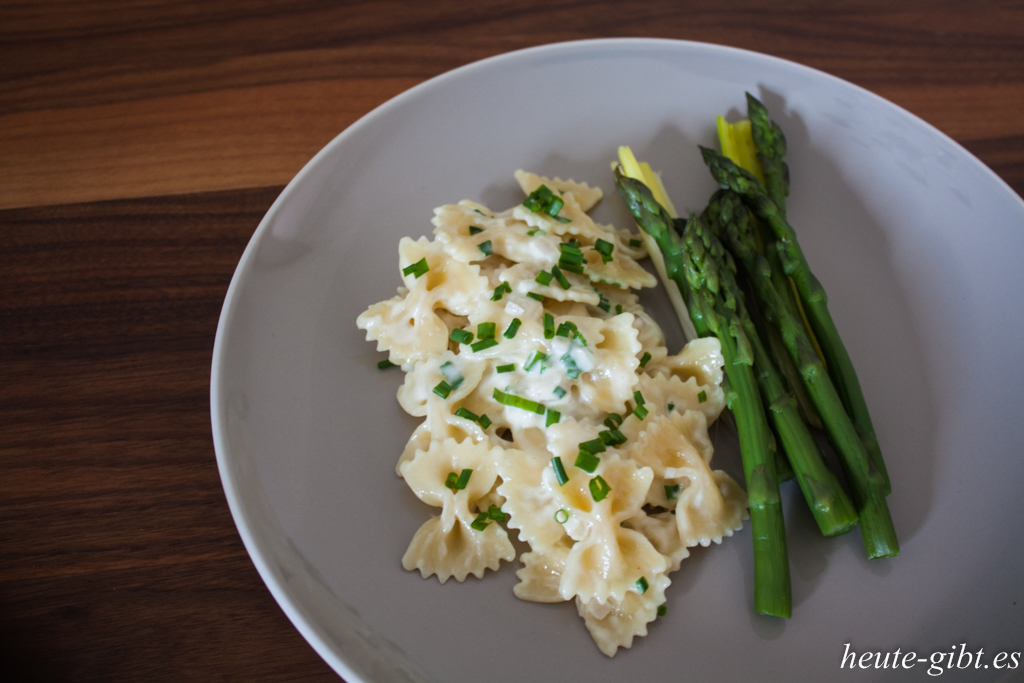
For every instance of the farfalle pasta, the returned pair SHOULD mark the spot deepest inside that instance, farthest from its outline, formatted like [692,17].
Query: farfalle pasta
[552,408]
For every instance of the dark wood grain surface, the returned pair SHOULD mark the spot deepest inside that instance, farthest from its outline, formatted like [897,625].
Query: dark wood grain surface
[141,143]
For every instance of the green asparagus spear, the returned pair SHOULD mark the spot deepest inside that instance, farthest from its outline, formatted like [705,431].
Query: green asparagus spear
[865,481]
[812,295]
[824,494]
[777,349]
[696,275]
[771,147]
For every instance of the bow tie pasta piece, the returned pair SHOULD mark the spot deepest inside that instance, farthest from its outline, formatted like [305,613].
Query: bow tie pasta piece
[667,394]
[612,379]
[669,445]
[616,623]
[571,222]
[528,484]
[649,333]
[448,545]
[709,505]
[456,375]
[453,285]
[408,328]
[611,263]
[607,559]
[584,194]
[661,530]
[525,278]
[700,359]
[441,425]
[712,506]
[462,229]
[541,573]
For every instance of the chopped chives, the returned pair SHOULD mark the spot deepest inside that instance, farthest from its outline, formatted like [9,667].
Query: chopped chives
[571,258]
[618,309]
[484,421]
[468,414]
[543,200]
[642,585]
[482,213]
[549,326]
[672,491]
[599,489]
[604,304]
[562,516]
[604,249]
[702,396]
[451,374]
[638,398]
[560,476]
[535,296]
[385,364]
[571,251]
[486,248]
[485,331]
[662,610]
[534,358]
[635,243]
[560,276]
[475,229]
[457,482]
[484,344]
[443,389]
[612,437]
[613,421]
[501,290]
[570,254]
[640,412]
[571,369]
[518,402]
[513,326]
[644,359]
[593,447]
[566,328]
[481,522]
[553,417]
[587,461]
[506,368]
[533,231]
[495,513]
[461,336]
[417,269]
[543,278]
[559,392]
[671,407]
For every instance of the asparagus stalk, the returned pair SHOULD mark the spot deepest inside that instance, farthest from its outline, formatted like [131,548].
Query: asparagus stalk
[783,468]
[770,142]
[865,480]
[829,504]
[763,155]
[812,296]
[686,263]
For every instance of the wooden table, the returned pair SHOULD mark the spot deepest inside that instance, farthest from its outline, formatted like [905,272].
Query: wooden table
[141,143]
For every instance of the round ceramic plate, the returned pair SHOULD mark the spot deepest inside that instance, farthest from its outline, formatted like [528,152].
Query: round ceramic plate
[918,244]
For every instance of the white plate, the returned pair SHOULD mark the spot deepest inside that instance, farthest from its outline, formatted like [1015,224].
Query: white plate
[919,245]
